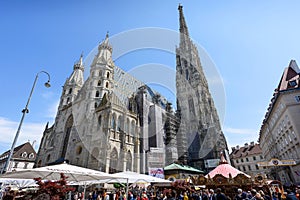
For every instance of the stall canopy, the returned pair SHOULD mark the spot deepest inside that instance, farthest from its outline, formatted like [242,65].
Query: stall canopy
[225,170]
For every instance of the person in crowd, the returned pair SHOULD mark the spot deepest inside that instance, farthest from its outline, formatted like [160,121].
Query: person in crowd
[205,194]
[298,193]
[220,195]
[185,196]
[212,195]
[239,194]
[253,194]
[290,195]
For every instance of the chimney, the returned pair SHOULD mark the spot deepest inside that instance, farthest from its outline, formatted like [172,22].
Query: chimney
[252,144]
[246,145]
[237,147]
[233,149]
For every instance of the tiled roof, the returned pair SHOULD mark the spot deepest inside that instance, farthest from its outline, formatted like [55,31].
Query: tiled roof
[247,150]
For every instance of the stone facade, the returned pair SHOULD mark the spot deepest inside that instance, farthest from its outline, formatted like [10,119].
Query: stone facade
[279,134]
[114,122]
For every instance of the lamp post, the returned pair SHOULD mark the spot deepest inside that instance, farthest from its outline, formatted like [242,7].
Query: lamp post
[24,111]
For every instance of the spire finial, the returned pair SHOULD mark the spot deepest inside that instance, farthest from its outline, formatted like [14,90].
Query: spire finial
[107,34]
[183,27]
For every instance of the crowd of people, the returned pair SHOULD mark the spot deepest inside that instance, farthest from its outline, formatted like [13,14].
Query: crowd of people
[162,193]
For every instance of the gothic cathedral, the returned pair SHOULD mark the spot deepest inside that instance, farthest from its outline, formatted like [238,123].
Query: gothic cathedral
[113,122]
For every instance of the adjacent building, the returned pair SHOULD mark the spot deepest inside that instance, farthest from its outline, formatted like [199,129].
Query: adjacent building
[23,157]
[247,157]
[114,122]
[280,131]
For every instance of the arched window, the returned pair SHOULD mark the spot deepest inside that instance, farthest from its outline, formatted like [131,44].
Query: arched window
[106,85]
[68,100]
[70,91]
[119,126]
[99,83]
[128,161]
[187,74]
[127,126]
[107,75]
[113,163]
[95,154]
[67,133]
[99,120]
[132,128]
[78,150]
[95,105]
[113,122]
[97,94]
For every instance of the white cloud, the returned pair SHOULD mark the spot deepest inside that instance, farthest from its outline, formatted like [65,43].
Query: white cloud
[240,131]
[52,109]
[238,136]
[29,132]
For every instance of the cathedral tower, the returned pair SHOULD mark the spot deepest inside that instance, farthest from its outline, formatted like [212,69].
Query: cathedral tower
[199,136]
[73,84]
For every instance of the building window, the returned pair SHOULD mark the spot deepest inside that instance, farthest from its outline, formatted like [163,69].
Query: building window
[242,160]
[237,160]
[25,165]
[97,94]
[293,83]
[254,158]
[106,85]
[70,91]
[297,98]
[261,157]
[99,83]
[31,156]
[249,167]
[244,168]
[16,164]
[247,159]
[107,75]
[24,155]
[257,167]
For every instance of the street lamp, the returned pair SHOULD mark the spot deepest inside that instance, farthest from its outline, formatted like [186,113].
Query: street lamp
[24,111]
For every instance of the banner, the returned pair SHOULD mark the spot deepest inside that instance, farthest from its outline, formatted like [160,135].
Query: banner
[275,162]
[157,172]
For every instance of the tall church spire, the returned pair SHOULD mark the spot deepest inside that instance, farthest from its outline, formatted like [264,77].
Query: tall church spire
[199,136]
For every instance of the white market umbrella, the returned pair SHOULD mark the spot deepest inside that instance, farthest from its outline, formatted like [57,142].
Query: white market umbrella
[134,177]
[74,173]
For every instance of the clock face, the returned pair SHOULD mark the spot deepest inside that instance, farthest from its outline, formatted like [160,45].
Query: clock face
[275,162]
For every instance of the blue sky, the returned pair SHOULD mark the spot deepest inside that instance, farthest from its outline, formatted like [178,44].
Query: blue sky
[250,43]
